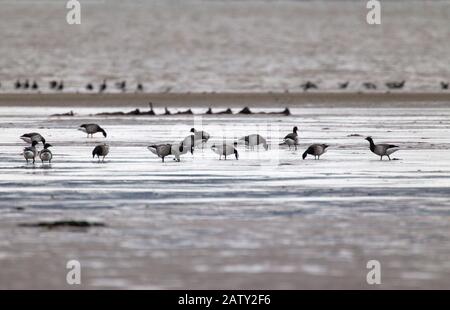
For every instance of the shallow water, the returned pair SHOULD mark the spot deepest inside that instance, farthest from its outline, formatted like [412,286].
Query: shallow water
[268,220]
[192,45]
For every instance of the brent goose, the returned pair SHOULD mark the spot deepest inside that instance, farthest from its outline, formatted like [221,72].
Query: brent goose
[31,137]
[369,85]
[163,150]
[91,129]
[225,149]
[26,85]
[308,85]
[444,85]
[395,85]
[140,87]
[101,150]
[254,140]
[121,85]
[382,149]
[46,154]
[34,86]
[89,87]
[30,152]
[292,138]
[316,150]
[53,84]
[18,84]
[343,85]
[60,86]
[103,86]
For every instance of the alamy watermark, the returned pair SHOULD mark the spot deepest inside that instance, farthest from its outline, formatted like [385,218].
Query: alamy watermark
[373,17]
[73,276]
[374,275]
[73,17]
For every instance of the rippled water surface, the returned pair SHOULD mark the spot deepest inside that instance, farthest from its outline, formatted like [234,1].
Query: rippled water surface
[193,45]
[268,220]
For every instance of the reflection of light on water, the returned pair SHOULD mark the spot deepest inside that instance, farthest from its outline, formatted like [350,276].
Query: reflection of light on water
[250,216]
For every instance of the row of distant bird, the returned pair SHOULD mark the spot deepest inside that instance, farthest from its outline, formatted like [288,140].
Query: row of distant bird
[139,87]
[59,86]
[193,140]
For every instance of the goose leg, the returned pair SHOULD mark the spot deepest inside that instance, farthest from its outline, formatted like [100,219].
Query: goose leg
[381,157]
[389,157]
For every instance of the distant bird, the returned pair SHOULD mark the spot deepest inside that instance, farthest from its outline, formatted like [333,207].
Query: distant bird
[382,149]
[225,150]
[121,85]
[254,140]
[164,150]
[32,137]
[92,129]
[316,150]
[308,85]
[140,87]
[26,85]
[167,112]
[60,86]
[343,85]
[30,152]
[292,138]
[444,85]
[34,86]
[395,85]
[46,154]
[53,84]
[103,86]
[101,150]
[369,85]
[89,87]
[17,84]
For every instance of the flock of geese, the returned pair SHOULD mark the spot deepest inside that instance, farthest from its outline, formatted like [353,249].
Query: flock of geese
[189,143]
[139,87]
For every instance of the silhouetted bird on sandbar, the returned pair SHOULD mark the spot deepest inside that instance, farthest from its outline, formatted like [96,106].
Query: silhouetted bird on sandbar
[395,85]
[369,85]
[308,85]
[343,85]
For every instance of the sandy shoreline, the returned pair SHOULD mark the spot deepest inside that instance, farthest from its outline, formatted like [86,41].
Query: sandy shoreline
[272,100]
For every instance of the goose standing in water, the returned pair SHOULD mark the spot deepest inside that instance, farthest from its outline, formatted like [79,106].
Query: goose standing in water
[30,152]
[254,140]
[225,149]
[316,150]
[382,149]
[163,150]
[102,87]
[33,136]
[91,129]
[46,154]
[101,150]
[292,138]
